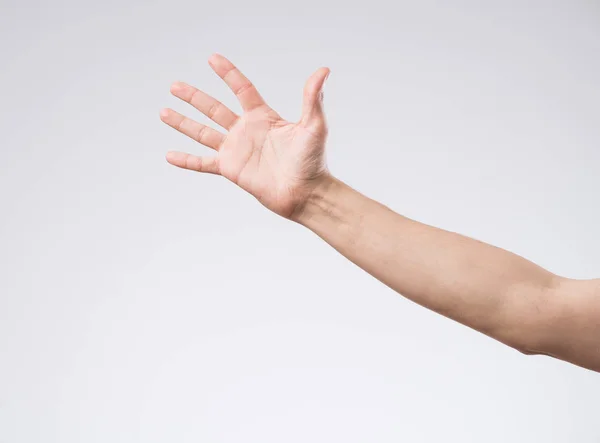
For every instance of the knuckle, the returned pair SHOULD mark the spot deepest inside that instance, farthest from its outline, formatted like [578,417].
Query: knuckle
[200,134]
[192,98]
[213,109]
[243,88]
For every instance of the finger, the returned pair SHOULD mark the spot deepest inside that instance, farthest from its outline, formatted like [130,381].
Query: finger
[213,109]
[312,104]
[197,131]
[242,87]
[194,163]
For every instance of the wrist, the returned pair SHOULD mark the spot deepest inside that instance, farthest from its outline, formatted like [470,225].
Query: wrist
[319,200]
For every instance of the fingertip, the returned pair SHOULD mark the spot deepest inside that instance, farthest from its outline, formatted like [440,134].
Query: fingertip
[322,76]
[170,156]
[214,58]
[177,86]
[164,113]
[318,78]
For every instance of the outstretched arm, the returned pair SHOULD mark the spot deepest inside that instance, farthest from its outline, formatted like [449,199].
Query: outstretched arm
[486,288]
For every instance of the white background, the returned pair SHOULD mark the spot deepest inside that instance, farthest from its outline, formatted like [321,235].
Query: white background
[143,303]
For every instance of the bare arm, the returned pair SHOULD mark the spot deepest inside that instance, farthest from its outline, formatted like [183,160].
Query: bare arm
[486,288]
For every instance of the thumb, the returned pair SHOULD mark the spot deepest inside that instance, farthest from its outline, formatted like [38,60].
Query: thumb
[312,105]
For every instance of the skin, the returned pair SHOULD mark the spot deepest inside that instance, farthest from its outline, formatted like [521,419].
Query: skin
[486,288]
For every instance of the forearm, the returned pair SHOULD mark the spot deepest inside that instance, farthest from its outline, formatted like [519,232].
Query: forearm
[484,287]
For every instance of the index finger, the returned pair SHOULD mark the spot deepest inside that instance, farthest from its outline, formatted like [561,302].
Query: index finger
[243,88]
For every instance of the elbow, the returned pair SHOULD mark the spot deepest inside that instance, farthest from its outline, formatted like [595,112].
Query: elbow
[561,321]
[526,350]
[537,320]
[527,345]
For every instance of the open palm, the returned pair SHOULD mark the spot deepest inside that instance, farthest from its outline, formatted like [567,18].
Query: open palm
[277,161]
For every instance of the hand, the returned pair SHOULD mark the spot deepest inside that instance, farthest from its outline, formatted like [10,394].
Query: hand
[277,161]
